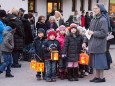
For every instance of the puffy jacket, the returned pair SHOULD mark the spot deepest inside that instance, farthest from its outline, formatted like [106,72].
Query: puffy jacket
[50,44]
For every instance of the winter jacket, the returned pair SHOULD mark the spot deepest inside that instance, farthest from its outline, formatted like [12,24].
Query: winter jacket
[54,25]
[61,39]
[97,42]
[87,21]
[73,47]
[82,21]
[8,41]
[38,43]
[27,31]
[50,44]
[41,25]
[2,26]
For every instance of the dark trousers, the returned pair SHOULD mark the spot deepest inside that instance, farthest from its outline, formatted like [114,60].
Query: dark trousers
[15,55]
[7,63]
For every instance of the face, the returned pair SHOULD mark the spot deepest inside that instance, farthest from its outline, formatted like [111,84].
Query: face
[62,32]
[40,35]
[43,20]
[51,20]
[57,15]
[73,30]
[52,37]
[96,10]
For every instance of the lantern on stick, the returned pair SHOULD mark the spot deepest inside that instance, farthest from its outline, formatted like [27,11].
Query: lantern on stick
[33,64]
[54,55]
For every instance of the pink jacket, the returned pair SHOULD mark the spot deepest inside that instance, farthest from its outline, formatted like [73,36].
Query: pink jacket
[61,40]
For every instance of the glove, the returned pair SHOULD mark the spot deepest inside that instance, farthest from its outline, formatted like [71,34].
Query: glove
[63,56]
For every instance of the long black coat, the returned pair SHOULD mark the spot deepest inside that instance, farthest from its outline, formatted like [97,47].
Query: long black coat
[54,26]
[27,31]
[41,25]
[73,47]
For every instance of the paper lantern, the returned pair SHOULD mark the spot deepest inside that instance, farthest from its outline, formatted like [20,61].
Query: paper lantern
[39,67]
[84,59]
[33,64]
[54,55]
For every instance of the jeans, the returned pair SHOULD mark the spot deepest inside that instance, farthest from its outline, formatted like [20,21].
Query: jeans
[7,63]
[50,67]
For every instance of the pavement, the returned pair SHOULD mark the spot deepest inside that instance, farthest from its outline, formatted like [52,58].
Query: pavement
[24,76]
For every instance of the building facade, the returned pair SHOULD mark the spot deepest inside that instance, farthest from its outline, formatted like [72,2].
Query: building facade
[44,7]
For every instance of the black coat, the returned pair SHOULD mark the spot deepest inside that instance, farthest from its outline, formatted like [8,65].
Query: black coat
[41,25]
[27,31]
[53,44]
[54,26]
[38,43]
[87,21]
[73,47]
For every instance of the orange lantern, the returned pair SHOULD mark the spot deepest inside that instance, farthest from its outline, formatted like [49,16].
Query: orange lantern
[54,55]
[33,64]
[84,59]
[39,67]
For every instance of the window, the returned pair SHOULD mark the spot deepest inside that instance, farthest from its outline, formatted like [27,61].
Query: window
[82,5]
[31,5]
[73,5]
[89,4]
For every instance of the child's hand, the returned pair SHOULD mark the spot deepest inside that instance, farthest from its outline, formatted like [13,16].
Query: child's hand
[63,55]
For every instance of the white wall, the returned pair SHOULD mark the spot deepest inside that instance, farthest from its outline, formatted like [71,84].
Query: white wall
[9,4]
[67,9]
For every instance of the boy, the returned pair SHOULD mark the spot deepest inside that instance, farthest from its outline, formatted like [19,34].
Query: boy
[38,42]
[50,65]
[7,47]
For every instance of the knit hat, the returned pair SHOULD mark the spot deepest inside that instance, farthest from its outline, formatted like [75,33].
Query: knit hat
[41,30]
[2,13]
[62,27]
[57,30]
[51,33]
[73,25]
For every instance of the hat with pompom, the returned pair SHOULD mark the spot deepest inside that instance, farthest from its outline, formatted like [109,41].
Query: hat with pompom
[51,33]
[73,25]
[62,27]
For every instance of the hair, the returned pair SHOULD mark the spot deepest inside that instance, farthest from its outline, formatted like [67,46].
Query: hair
[51,17]
[59,14]
[40,18]
[30,15]
[12,24]
[15,10]
[26,16]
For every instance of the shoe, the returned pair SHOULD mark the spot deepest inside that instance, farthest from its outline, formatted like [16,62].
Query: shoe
[76,79]
[16,66]
[100,80]
[48,80]
[53,80]
[94,79]
[70,79]
[38,78]
[9,75]
[81,76]
[1,72]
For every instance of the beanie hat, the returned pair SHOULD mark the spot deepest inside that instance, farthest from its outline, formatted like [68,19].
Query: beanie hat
[51,33]
[41,30]
[73,25]
[2,13]
[62,27]
[57,30]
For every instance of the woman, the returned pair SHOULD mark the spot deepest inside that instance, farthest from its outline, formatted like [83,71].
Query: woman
[97,43]
[59,18]
[41,23]
[52,23]
[76,18]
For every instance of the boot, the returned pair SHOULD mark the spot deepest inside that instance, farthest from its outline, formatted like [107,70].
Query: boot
[70,74]
[75,74]
[9,75]
[62,74]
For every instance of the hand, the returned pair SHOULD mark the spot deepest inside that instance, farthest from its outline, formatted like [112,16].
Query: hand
[90,32]
[84,45]
[63,55]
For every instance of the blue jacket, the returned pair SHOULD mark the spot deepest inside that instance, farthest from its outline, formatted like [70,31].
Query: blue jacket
[2,26]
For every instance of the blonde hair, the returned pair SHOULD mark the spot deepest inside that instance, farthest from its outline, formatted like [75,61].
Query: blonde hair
[15,10]
[52,17]
[59,14]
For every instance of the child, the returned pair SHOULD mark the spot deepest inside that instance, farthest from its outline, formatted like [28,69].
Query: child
[7,47]
[50,65]
[73,47]
[38,42]
[62,61]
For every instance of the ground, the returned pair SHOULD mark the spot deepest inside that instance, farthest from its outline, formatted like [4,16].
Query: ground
[26,77]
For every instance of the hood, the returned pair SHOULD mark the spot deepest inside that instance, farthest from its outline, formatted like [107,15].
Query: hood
[8,28]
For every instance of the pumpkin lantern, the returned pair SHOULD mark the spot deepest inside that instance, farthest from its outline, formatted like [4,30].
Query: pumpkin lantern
[39,67]
[84,59]
[33,64]
[54,55]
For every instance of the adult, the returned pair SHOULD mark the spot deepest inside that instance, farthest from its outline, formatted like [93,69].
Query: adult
[18,38]
[41,23]
[52,23]
[97,44]
[58,18]
[76,18]
[91,15]
[82,19]
[87,20]
[2,26]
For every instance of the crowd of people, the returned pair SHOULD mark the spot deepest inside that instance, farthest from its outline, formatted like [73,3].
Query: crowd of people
[18,35]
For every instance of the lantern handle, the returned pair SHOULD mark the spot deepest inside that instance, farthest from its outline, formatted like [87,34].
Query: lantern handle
[38,57]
